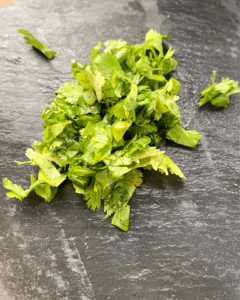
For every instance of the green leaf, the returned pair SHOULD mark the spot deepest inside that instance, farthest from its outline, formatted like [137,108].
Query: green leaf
[119,129]
[106,64]
[16,190]
[167,164]
[48,172]
[220,100]
[154,39]
[95,50]
[121,218]
[113,44]
[124,109]
[172,87]
[97,81]
[156,77]
[42,189]
[41,46]
[83,120]
[144,129]
[93,196]
[82,79]
[77,68]
[170,110]
[189,138]
[105,178]
[51,132]
[117,197]
[218,93]
[71,91]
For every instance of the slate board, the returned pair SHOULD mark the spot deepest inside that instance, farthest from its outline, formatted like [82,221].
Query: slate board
[183,241]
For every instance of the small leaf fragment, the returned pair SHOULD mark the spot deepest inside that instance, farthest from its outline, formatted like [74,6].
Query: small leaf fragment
[41,46]
[179,135]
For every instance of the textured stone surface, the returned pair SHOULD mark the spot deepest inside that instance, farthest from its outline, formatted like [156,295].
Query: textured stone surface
[183,241]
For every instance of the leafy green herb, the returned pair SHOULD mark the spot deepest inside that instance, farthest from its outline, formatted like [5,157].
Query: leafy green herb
[41,46]
[218,93]
[102,129]
[189,138]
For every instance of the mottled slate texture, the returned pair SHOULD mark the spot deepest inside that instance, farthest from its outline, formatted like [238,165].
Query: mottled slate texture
[183,241]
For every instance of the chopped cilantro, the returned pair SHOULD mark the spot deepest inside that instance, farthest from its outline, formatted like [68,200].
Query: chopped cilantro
[101,129]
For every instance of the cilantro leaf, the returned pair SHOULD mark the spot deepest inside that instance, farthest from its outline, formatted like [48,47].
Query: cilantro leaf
[16,190]
[189,138]
[121,217]
[70,91]
[97,81]
[113,45]
[218,93]
[168,164]
[41,46]
[48,172]
[42,189]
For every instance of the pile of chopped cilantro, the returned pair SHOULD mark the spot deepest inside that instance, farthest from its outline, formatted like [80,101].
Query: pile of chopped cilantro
[102,129]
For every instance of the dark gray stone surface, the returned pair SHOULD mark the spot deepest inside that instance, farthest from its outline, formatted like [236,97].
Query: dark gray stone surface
[183,241]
